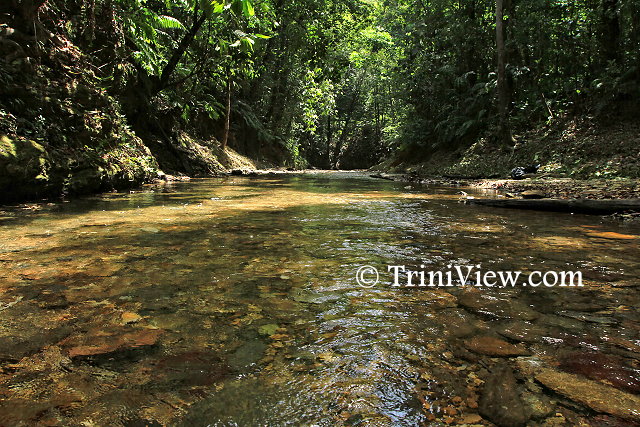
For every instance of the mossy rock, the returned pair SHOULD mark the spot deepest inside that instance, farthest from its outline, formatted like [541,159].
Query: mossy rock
[24,168]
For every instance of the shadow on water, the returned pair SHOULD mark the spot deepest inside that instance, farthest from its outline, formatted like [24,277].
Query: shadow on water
[235,303]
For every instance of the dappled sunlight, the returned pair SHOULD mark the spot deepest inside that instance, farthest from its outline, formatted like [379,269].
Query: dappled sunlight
[224,289]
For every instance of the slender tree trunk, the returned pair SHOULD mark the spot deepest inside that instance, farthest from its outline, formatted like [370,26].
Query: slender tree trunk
[329,141]
[177,55]
[610,31]
[634,39]
[343,137]
[503,89]
[227,118]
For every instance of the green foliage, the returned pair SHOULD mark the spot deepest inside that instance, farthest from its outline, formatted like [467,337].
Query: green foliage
[343,83]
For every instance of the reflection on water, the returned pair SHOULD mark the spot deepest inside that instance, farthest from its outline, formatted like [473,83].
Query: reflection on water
[234,302]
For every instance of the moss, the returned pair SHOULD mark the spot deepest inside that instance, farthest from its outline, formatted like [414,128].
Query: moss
[7,147]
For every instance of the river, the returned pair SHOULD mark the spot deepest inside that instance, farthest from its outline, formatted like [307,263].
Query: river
[235,302]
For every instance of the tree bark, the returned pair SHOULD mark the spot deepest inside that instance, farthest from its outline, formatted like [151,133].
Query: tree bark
[177,55]
[504,132]
[227,118]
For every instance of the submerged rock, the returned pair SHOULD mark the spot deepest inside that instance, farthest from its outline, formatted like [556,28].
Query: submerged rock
[495,306]
[494,347]
[523,331]
[500,399]
[193,368]
[597,396]
[99,343]
[538,406]
[269,329]
[16,347]
[313,297]
[603,367]
[247,354]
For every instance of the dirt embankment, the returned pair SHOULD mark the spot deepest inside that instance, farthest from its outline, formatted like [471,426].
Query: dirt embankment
[578,149]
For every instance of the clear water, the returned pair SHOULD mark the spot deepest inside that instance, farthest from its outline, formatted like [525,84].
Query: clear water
[234,302]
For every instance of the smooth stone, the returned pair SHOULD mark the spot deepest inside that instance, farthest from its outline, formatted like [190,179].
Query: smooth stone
[496,306]
[523,332]
[606,368]
[591,318]
[14,348]
[194,368]
[537,406]
[562,322]
[247,354]
[533,194]
[494,347]
[98,344]
[597,396]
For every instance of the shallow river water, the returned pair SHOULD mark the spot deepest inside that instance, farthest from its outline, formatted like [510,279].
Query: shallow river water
[235,302]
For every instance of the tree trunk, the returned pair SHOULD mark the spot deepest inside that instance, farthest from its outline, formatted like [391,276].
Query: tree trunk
[610,31]
[227,118]
[329,142]
[343,135]
[177,55]
[503,89]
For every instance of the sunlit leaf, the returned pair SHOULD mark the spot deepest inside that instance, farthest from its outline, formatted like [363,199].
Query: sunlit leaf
[247,8]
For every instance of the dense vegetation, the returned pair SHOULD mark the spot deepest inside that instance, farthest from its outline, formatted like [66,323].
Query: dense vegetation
[323,83]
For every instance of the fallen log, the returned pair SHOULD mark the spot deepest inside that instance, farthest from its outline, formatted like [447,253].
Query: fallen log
[578,206]
[382,176]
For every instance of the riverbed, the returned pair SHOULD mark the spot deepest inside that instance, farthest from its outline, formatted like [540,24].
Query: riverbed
[234,301]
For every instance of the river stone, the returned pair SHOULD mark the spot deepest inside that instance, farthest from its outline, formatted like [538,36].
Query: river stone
[460,324]
[533,194]
[193,368]
[500,399]
[313,297]
[494,347]
[538,406]
[591,318]
[523,332]
[247,354]
[268,330]
[110,342]
[15,347]
[603,367]
[597,396]
[495,306]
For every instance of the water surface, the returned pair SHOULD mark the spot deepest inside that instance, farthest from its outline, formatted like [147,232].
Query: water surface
[234,302]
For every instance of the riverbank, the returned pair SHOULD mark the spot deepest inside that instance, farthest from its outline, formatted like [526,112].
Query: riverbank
[578,158]
[66,130]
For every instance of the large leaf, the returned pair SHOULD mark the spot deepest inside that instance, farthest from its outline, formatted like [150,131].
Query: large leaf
[168,22]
